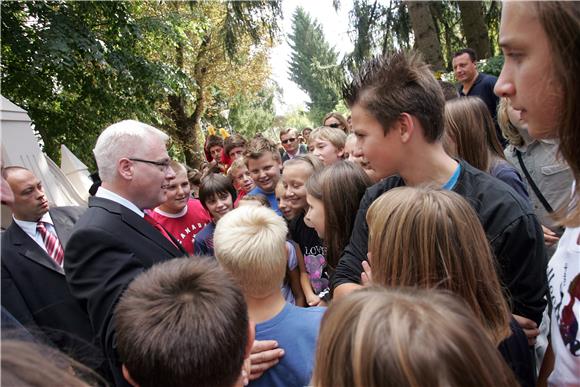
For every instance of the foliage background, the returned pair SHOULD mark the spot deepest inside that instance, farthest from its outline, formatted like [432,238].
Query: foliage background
[79,66]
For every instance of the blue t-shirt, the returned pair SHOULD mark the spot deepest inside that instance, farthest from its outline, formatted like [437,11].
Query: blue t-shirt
[270,196]
[296,330]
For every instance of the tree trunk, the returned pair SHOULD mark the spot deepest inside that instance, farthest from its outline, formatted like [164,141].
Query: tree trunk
[426,39]
[474,27]
[184,128]
[193,148]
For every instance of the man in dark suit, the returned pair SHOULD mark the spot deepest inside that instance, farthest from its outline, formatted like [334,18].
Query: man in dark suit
[114,241]
[34,288]
[291,144]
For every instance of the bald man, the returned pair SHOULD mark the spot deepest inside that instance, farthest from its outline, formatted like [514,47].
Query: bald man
[34,288]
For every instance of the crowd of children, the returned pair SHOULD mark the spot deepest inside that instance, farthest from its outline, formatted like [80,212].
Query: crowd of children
[402,246]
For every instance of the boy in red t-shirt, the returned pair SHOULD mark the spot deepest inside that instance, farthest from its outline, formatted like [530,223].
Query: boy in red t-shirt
[180,215]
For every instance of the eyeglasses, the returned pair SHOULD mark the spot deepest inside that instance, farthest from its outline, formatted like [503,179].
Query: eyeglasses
[164,164]
[336,126]
[288,140]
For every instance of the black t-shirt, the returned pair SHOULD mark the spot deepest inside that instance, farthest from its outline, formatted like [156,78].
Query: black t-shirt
[313,251]
[512,229]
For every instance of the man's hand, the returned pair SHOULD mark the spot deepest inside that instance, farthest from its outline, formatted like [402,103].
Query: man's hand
[529,327]
[550,237]
[265,354]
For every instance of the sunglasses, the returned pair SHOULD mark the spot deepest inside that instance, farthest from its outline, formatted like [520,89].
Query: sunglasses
[288,140]
[336,126]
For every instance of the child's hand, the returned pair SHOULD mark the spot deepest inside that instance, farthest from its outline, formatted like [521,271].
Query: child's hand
[550,237]
[529,327]
[367,275]
[313,300]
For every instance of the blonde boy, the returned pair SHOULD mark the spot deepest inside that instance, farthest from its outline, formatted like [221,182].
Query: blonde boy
[264,163]
[327,144]
[250,243]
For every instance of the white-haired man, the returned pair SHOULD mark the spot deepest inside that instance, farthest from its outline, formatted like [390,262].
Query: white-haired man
[114,241]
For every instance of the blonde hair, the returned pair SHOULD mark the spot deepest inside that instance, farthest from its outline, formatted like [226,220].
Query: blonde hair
[309,159]
[333,135]
[405,337]
[433,239]
[509,130]
[31,364]
[258,147]
[236,164]
[250,243]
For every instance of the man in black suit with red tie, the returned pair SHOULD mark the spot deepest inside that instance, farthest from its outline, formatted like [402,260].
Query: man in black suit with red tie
[34,288]
[113,242]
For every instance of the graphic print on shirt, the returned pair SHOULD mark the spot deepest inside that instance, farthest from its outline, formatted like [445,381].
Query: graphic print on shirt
[314,262]
[564,311]
[568,323]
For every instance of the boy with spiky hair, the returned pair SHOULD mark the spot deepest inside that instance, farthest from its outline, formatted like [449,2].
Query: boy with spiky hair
[397,116]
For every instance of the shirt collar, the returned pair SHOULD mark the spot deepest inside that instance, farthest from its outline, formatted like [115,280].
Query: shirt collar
[30,227]
[112,196]
[170,215]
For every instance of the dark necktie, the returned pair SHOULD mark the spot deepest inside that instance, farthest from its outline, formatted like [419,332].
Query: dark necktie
[51,242]
[159,228]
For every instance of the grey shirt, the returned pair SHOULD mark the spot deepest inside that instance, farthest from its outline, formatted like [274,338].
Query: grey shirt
[551,175]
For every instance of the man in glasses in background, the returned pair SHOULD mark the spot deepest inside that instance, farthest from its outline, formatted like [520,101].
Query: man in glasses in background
[114,241]
[291,144]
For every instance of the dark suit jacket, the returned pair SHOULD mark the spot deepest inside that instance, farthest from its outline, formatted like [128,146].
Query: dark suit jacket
[35,292]
[109,247]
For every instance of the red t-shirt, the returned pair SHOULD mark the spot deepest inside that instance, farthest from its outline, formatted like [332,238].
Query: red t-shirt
[184,225]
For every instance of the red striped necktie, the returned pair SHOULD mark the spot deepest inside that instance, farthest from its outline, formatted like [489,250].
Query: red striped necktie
[159,228]
[51,242]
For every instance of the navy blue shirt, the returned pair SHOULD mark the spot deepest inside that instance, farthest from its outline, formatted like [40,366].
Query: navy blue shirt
[483,88]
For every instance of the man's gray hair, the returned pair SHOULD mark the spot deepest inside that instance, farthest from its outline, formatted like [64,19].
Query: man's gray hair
[122,139]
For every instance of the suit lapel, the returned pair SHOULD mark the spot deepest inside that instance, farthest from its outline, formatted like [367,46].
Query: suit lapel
[150,232]
[31,250]
[139,224]
[63,226]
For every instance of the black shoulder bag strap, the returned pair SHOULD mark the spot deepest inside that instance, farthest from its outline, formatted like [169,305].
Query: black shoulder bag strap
[533,184]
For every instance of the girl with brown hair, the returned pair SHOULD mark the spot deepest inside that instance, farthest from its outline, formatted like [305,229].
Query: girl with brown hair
[333,196]
[433,239]
[311,257]
[470,134]
[541,45]
[378,337]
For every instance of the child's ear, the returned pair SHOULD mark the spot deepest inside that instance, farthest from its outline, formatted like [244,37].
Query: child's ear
[340,153]
[127,376]
[406,127]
